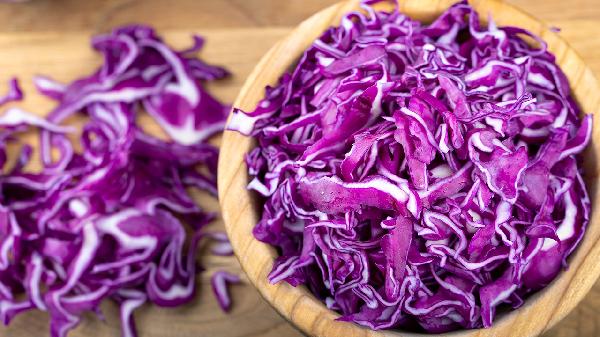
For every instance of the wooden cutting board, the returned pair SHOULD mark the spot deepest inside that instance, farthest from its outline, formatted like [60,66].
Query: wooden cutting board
[52,37]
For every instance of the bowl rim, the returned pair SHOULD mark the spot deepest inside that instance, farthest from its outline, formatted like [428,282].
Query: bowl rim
[298,305]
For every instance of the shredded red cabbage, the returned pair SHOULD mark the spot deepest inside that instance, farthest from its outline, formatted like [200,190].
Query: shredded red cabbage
[108,222]
[219,281]
[420,176]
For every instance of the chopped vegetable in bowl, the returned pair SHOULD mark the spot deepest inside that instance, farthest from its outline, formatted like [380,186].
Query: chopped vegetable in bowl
[420,176]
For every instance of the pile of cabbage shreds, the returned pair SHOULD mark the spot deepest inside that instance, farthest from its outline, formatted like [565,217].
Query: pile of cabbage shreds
[420,176]
[107,221]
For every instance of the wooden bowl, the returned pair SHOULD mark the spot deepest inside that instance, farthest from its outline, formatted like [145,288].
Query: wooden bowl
[241,210]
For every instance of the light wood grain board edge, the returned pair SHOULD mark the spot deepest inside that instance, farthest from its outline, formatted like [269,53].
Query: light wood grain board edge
[539,313]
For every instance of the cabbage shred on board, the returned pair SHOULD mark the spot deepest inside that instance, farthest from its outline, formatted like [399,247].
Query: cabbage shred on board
[420,176]
[107,221]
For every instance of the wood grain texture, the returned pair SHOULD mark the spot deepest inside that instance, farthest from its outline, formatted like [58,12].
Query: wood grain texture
[52,37]
[240,209]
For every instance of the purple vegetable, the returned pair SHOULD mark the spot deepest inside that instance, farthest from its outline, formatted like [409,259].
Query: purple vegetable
[139,67]
[222,245]
[419,176]
[14,92]
[219,282]
[108,222]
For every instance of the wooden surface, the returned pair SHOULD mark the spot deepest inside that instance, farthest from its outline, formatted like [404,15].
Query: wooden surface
[51,37]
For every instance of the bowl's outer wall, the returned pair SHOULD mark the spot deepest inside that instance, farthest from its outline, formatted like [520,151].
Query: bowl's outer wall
[241,210]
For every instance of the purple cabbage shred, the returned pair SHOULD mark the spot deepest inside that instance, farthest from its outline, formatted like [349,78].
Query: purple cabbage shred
[420,176]
[105,220]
